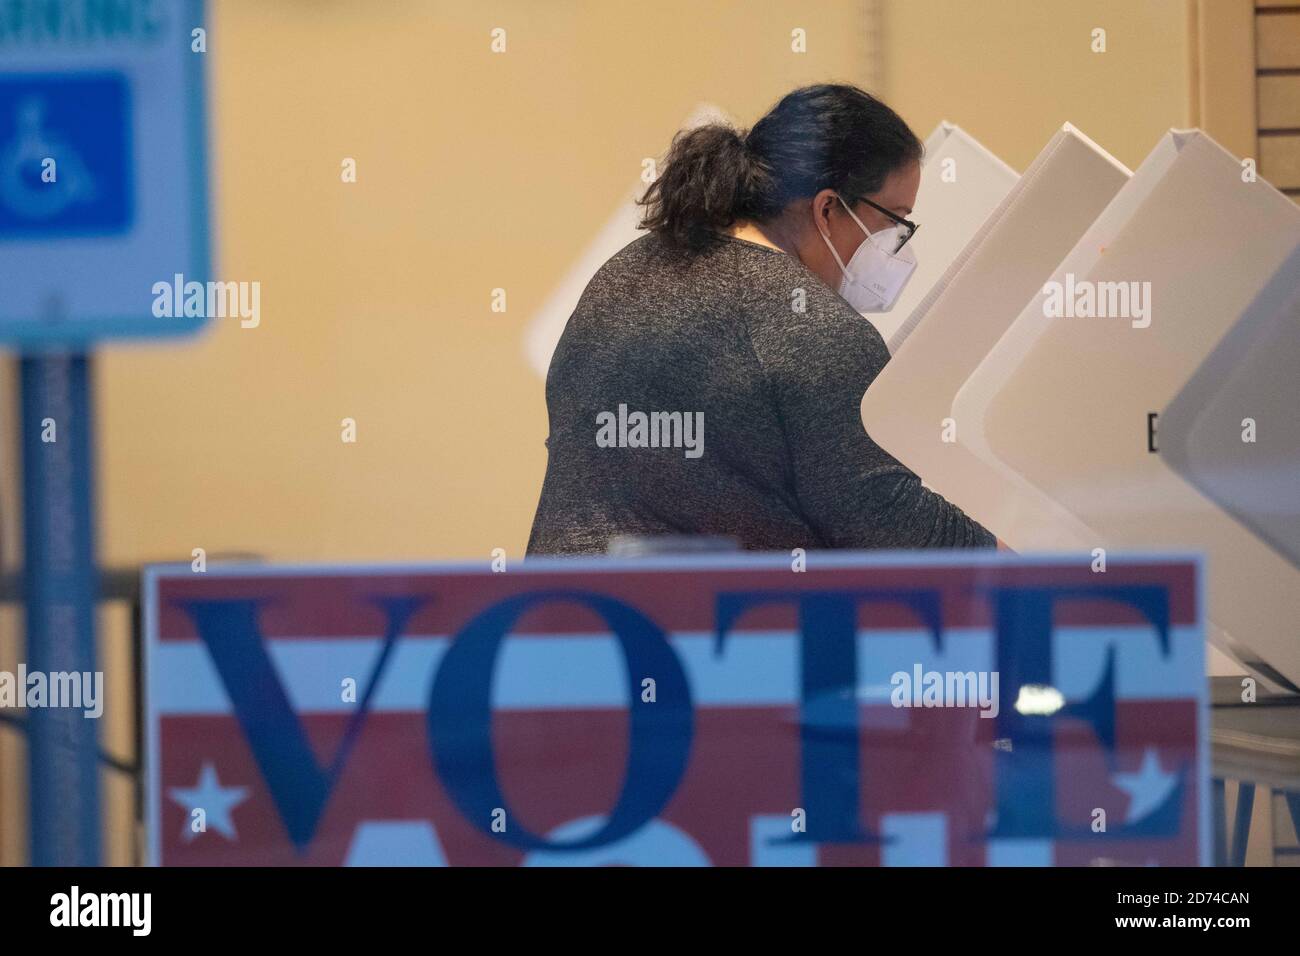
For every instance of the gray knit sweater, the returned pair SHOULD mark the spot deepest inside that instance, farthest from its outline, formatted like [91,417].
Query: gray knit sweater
[719,394]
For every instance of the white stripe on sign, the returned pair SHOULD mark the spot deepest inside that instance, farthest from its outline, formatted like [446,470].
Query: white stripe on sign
[1020,853]
[1079,659]
[574,672]
[914,839]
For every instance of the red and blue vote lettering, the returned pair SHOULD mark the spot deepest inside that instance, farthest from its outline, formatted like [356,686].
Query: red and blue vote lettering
[862,709]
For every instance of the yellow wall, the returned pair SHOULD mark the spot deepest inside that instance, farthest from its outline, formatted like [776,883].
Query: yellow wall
[1011,71]
[475,171]
[479,171]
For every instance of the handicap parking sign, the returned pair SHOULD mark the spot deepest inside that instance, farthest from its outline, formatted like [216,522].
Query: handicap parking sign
[103,170]
[65,164]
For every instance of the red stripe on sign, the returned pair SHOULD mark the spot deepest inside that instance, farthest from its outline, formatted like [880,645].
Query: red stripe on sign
[342,604]
[557,766]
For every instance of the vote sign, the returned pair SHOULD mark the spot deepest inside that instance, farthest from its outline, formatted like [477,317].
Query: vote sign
[950,708]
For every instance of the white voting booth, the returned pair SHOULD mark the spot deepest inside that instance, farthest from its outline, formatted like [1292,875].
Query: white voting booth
[1025,516]
[1061,407]
[908,408]
[1234,430]
[961,184]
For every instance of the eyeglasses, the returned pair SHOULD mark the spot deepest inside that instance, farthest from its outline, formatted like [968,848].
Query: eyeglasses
[910,226]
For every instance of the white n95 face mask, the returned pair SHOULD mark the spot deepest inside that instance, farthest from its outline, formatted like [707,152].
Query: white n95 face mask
[876,275]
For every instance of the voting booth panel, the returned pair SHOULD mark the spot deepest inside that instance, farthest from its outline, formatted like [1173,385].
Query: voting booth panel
[680,711]
[1125,327]
[906,408]
[1004,500]
[1234,430]
[1031,207]
[962,182]
[1020,512]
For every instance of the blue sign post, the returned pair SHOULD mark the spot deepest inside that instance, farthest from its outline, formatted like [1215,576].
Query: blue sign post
[103,194]
[58,532]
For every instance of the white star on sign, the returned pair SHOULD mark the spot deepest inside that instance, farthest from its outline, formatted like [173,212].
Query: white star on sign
[1147,788]
[213,799]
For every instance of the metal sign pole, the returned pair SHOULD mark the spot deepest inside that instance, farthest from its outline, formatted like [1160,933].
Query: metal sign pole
[60,586]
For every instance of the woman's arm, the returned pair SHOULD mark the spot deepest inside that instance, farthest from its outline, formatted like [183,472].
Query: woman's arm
[851,490]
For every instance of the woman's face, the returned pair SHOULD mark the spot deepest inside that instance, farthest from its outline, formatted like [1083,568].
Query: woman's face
[897,194]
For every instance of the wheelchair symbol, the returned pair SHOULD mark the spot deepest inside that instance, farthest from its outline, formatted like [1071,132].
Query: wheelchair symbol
[24,190]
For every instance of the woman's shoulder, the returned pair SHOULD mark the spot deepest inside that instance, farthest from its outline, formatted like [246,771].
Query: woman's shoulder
[774,293]
[788,306]
[820,344]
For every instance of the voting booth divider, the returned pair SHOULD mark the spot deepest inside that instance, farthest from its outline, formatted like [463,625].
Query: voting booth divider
[1071,412]
[962,182]
[959,708]
[1028,518]
[1033,400]
[1234,431]
[908,408]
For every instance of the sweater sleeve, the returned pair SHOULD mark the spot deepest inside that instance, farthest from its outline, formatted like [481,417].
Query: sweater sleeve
[853,492]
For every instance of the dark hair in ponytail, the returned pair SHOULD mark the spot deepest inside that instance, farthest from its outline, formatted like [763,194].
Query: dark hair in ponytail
[828,136]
